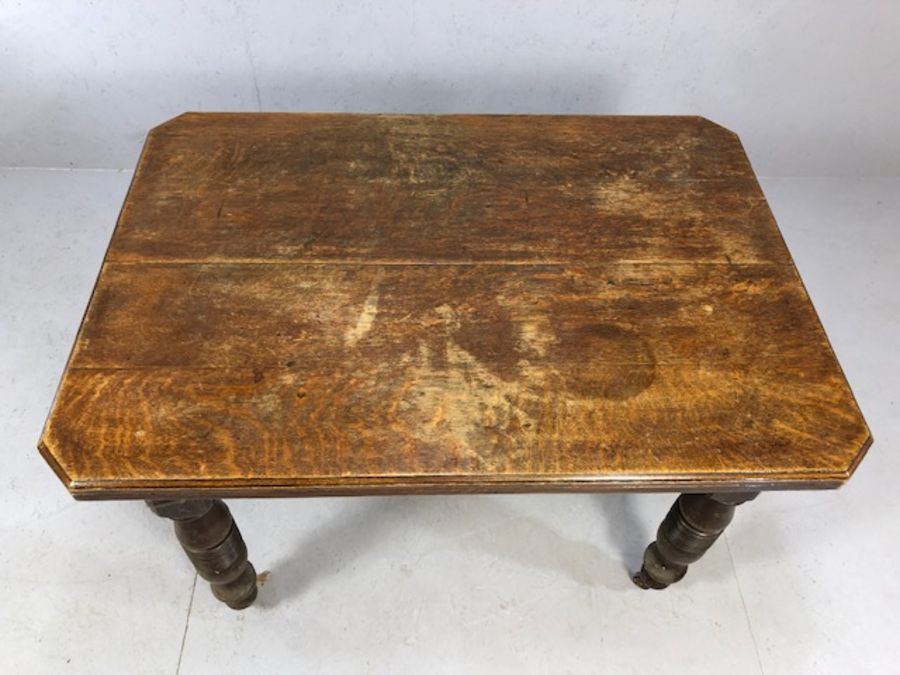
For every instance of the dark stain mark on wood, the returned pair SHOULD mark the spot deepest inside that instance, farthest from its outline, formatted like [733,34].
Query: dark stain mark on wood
[491,337]
[616,363]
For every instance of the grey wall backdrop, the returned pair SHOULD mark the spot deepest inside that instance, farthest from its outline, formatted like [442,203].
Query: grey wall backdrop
[811,85]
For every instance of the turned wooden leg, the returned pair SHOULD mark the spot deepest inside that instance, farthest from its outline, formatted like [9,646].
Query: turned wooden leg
[692,525]
[212,541]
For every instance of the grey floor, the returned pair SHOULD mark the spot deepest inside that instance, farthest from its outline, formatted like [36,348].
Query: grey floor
[801,583]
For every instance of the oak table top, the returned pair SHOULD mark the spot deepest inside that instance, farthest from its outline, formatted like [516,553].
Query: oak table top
[304,304]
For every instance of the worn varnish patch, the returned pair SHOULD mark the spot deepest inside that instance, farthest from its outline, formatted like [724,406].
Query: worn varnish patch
[299,304]
[366,316]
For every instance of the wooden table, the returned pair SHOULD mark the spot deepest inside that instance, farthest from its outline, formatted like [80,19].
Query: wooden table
[297,305]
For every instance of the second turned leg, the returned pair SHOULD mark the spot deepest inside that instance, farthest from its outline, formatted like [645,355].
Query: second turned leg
[212,541]
[692,525]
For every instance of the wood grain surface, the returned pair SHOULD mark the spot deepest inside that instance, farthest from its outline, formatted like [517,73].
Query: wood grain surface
[353,304]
